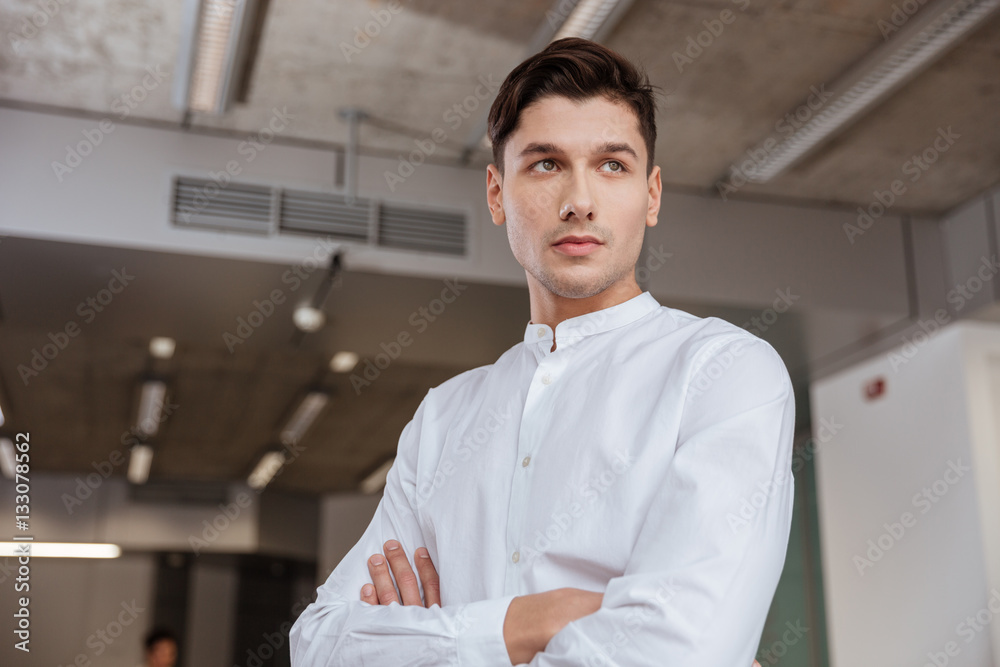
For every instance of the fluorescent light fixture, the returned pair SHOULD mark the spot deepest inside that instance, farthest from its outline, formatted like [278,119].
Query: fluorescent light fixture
[151,399]
[2,418]
[215,43]
[266,469]
[162,347]
[586,19]
[374,482]
[343,362]
[61,549]
[589,19]
[304,416]
[925,37]
[308,319]
[7,459]
[139,462]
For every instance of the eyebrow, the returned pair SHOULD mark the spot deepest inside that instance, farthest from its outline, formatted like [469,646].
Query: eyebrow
[536,148]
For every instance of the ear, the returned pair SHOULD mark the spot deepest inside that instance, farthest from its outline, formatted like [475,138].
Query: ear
[494,194]
[655,191]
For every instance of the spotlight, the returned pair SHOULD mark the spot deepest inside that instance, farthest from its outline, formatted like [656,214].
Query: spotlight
[343,362]
[308,319]
[162,347]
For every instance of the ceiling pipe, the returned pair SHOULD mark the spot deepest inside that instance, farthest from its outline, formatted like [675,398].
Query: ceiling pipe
[354,118]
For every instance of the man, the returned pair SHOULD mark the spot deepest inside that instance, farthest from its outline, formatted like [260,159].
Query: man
[583,500]
[161,648]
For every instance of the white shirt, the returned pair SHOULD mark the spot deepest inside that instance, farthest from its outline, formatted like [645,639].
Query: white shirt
[647,457]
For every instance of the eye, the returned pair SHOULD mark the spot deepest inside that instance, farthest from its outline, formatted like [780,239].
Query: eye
[618,166]
[547,162]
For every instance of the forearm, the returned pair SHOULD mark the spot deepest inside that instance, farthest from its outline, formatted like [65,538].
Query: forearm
[334,631]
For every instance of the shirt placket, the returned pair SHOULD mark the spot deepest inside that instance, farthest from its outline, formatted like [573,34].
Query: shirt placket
[538,410]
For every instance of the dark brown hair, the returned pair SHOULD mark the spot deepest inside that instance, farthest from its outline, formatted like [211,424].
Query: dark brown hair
[578,69]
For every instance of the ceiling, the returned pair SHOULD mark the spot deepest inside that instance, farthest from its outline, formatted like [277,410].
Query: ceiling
[227,407]
[433,54]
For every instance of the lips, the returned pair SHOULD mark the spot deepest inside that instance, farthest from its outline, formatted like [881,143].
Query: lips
[576,239]
[576,245]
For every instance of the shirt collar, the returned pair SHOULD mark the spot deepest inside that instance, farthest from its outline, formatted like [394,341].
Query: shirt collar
[595,322]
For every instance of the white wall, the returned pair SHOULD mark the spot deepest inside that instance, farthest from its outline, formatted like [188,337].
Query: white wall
[906,598]
[72,600]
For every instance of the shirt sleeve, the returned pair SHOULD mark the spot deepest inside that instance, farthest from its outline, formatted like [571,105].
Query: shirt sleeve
[706,563]
[339,629]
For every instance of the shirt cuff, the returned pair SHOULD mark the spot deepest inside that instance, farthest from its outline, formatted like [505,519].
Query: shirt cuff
[480,633]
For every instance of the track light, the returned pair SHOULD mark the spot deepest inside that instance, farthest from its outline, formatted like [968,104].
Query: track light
[61,549]
[265,470]
[139,462]
[8,460]
[303,417]
[151,398]
[374,482]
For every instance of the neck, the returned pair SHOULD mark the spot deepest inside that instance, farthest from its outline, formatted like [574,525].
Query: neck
[551,309]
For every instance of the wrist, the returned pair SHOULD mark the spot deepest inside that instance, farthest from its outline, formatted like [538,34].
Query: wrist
[523,632]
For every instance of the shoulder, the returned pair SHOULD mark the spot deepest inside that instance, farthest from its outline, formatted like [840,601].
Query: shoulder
[717,350]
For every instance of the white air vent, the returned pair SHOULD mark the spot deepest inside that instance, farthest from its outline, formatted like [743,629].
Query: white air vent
[414,229]
[202,203]
[324,213]
[263,210]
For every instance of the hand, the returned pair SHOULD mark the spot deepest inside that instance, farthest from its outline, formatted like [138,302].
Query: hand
[532,620]
[384,591]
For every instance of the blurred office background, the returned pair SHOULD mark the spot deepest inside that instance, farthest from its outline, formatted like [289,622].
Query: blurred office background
[240,240]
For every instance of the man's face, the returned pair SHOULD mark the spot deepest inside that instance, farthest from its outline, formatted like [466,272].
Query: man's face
[162,654]
[575,169]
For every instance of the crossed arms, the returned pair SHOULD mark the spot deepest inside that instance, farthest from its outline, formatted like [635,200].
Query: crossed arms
[694,593]
[531,620]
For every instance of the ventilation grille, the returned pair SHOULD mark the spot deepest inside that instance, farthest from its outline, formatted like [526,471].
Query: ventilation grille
[413,229]
[262,210]
[322,213]
[202,203]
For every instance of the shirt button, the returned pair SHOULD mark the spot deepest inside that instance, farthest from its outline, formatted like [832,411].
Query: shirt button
[541,332]
[546,379]
[525,461]
[516,557]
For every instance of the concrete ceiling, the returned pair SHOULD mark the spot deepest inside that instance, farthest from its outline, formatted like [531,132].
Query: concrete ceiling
[227,406]
[432,55]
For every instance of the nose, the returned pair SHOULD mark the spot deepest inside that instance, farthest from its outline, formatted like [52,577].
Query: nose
[577,199]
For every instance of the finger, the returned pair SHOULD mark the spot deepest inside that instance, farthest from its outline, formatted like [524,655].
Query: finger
[756,664]
[428,577]
[368,594]
[385,590]
[401,570]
